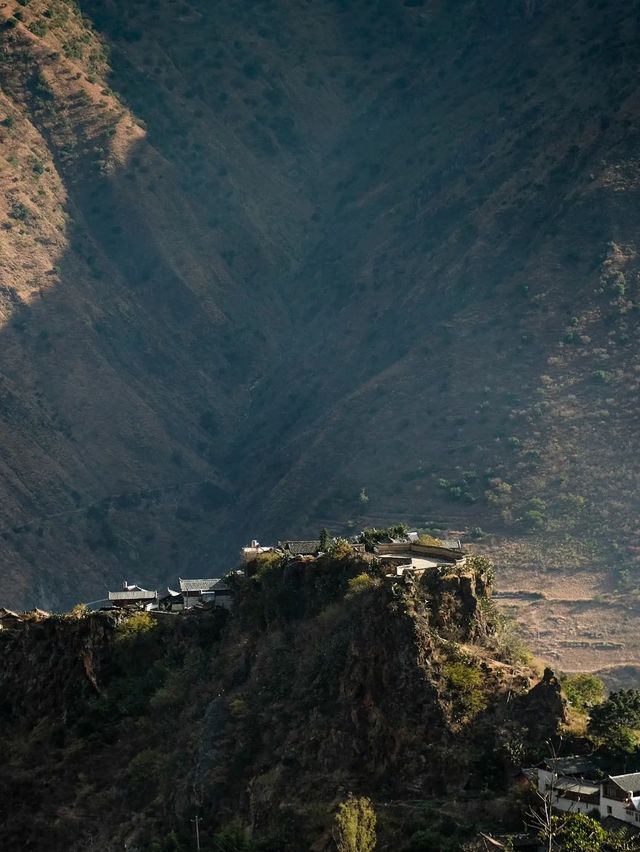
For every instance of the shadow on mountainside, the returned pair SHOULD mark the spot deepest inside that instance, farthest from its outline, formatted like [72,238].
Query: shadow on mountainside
[381,274]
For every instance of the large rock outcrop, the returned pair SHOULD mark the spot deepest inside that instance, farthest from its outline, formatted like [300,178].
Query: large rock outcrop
[326,678]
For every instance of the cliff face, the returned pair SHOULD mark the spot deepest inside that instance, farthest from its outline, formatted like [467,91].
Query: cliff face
[319,683]
[258,257]
[49,664]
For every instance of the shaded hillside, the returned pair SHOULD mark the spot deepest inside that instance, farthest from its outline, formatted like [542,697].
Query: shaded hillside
[261,257]
[323,679]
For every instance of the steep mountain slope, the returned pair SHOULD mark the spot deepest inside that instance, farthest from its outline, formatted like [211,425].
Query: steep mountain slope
[325,679]
[278,254]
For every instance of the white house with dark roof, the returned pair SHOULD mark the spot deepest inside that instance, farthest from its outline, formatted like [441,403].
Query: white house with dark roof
[621,797]
[570,783]
[573,785]
[134,596]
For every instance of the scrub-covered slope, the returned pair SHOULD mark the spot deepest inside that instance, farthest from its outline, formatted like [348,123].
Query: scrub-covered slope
[258,257]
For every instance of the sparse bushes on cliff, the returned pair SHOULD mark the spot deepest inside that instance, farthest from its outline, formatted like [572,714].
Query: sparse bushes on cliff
[136,624]
[467,684]
[373,535]
[362,583]
[78,611]
[340,549]
[355,825]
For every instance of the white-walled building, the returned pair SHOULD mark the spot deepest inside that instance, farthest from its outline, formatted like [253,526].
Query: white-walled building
[573,785]
[620,797]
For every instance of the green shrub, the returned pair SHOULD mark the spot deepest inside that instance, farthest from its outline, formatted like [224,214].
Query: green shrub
[621,708]
[362,583]
[425,538]
[39,28]
[466,681]
[372,535]
[136,624]
[19,212]
[583,691]
[266,561]
[355,825]
[78,611]
[533,519]
[616,722]
[578,833]
[340,549]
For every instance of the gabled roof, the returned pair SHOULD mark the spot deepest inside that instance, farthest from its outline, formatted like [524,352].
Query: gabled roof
[198,585]
[133,595]
[575,764]
[628,783]
[8,613]
[580,788]
[222,586]
[301,548]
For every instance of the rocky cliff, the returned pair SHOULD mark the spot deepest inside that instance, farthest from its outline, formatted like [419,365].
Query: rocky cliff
[326,678]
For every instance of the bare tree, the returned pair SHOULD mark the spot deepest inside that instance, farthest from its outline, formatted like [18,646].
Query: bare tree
[542,819]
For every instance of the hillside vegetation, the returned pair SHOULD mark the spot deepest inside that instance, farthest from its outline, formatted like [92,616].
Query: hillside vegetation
[358,260]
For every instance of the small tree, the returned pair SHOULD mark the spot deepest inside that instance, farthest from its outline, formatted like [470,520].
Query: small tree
[583,690]
[325,539]
[579,833]
[616,722]
[78,611]
[355,825]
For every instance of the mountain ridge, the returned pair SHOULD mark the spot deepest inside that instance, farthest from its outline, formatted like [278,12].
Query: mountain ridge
[307,253]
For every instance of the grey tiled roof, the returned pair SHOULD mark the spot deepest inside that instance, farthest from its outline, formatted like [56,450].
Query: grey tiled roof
[8,613]
[573,765]
[133,595]
[628,782]
[570,785]
[222,586]
[198,585]
[301,548]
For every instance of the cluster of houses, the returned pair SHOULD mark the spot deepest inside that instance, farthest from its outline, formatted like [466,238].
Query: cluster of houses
[576,784]
[211,591]
[397,556]
[10,619]
[201,593]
